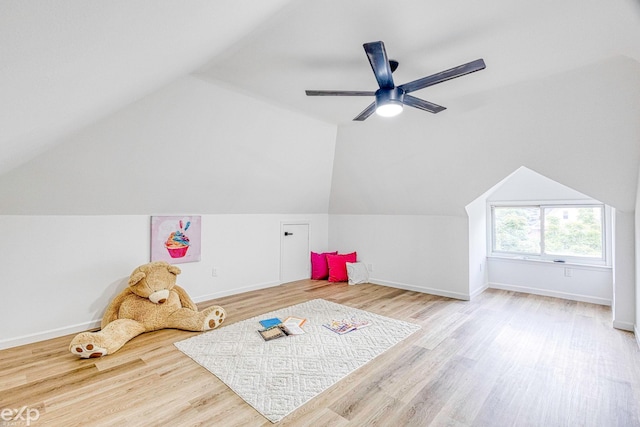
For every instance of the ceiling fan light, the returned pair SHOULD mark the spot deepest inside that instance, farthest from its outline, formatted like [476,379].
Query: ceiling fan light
[389,109]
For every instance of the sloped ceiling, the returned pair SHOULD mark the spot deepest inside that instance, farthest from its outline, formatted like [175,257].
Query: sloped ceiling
[67,63]
[578,128]
[318,45]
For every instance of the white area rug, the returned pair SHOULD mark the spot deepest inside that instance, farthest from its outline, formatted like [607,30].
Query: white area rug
[278,376]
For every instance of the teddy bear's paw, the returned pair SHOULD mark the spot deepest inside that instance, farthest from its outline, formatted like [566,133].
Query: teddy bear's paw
[88,350]
[215,318]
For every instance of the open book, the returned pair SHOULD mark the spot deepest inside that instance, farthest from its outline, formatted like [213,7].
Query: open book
[346,325]
[293,325]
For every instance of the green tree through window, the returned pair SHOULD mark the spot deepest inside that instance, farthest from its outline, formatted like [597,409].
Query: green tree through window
[556,231]
[580,234]
[517,229]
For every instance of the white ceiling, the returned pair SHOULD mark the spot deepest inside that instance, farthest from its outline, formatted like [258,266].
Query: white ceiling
[67,63]
[318,45]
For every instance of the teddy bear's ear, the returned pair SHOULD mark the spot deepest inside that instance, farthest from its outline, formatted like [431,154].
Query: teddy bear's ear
[135,278]
[173,269]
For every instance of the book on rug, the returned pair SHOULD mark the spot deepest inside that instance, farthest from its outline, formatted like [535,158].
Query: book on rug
[293,319]
[267,323]
[346,325]
[272,333]
[292,325]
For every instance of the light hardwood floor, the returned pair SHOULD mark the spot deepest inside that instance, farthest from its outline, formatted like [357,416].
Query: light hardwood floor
[503,359]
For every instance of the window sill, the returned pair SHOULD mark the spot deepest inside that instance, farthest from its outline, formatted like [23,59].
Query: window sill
[527,260]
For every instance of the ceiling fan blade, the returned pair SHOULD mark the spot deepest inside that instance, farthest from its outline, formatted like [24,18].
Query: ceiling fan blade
[339,93]
[366,113]
[421,104]
[442,76]
[379,64]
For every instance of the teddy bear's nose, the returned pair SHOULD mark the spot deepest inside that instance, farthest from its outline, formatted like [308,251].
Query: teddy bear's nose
[159,297]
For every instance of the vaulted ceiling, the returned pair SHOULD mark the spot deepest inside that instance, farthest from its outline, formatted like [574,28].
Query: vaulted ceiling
[318,45]
[65,64]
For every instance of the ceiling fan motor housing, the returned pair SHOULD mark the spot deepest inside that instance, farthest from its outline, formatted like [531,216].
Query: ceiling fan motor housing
[386,96]
[389,101]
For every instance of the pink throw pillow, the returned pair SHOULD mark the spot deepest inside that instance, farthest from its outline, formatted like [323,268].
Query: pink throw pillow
[319,266]
[338,266]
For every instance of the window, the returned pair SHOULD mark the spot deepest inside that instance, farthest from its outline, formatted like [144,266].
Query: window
[564,232]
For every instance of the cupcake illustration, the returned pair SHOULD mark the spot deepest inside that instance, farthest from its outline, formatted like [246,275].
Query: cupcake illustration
[177,243]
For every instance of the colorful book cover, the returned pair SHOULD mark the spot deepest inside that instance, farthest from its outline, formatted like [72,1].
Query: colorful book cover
[267,323]
[346,325]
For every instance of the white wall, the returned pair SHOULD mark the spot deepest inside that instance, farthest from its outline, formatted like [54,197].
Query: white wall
[588,284]
[525,184]
[60,272]
[624,271]
[424,253]
[478,269]
[637,278]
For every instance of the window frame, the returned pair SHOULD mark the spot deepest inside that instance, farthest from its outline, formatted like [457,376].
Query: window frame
[603,260]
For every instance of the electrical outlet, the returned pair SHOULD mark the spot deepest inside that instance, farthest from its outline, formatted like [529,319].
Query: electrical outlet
[214,272]
[568,272]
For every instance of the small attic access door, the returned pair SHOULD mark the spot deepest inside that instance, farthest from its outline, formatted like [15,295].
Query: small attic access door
[294,251]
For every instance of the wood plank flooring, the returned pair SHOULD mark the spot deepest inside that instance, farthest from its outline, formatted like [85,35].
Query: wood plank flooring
[503,359]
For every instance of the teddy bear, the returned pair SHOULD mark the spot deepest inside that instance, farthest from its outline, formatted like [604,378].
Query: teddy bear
[152,301]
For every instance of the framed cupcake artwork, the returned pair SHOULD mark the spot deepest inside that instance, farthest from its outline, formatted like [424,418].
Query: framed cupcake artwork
[175,239]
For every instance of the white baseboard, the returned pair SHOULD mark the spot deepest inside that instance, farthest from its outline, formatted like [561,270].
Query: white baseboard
[625,326]
[51,333]
[81,327]
[424,290]
[548,293]
[479,291]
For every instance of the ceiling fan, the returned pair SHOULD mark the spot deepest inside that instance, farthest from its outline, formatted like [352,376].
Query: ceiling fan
[390,98]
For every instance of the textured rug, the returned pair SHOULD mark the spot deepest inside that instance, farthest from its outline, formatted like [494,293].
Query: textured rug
[278,376]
